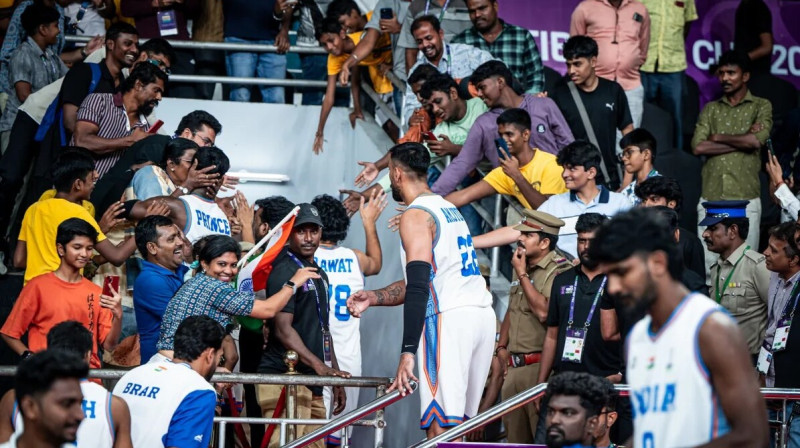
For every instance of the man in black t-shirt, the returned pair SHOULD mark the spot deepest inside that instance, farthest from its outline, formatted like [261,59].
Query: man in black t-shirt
[578,292]
[574,341]
[302,326]
[605,102]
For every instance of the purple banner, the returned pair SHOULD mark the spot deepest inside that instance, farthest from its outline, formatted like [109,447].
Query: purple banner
[711,34]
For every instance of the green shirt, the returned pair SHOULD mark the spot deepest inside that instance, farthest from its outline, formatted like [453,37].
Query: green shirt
[668,19]
[733,175]
[456,131]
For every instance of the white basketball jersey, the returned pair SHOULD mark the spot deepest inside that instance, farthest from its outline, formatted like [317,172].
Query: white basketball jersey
[153,392]
[456,279]
[203,217]
[344,278]
[96,429]
[674,403]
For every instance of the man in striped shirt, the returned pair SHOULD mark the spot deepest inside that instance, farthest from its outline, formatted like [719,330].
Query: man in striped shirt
[110,123]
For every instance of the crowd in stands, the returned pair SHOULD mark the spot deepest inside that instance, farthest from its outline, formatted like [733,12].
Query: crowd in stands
[130,256]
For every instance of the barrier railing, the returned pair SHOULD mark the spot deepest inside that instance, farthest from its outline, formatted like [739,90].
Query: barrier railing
[291,380]
[528,396]
[268,82]
[222,46]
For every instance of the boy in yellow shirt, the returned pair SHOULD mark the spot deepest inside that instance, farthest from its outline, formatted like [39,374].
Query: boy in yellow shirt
[528,174]
[74,177]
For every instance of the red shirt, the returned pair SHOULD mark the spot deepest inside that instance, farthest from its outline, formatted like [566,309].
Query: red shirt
[46,301]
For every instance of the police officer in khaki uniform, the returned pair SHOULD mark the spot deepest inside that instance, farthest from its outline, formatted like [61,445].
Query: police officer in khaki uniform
[739,277]
[536,264]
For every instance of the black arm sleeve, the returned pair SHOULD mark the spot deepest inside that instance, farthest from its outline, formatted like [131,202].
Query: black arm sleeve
[418,274]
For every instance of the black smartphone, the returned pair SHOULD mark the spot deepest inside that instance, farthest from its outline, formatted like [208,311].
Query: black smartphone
[502,148]
[386,13]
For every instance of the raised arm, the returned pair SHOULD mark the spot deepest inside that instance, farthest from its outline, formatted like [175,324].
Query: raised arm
[177,211]
[537,302]
[474,192]
[267,309]
[500,237]
[361,52]
[372,261]
[724,353]
[472,152]
[327,105]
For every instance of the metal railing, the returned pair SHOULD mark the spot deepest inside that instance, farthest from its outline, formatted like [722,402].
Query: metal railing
[222,46]
[528,396]
[291,380]
[377,405]
[268,82]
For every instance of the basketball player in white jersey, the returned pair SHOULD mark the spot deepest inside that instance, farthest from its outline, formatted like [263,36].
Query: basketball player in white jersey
[48,386]
[196,212]
[446,301]
[107,421]
[346,269]
[691,376]
[171,401]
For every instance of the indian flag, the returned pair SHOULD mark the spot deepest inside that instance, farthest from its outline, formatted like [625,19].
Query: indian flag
[253,276]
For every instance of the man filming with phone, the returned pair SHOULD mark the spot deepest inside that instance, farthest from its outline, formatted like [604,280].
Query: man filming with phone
[528,174]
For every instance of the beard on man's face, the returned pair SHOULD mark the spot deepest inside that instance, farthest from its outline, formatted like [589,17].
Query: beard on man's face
[396,194]
[148,107]
[587,261]
[634,307]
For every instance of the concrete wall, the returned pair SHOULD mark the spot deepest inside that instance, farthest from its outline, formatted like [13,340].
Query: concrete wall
[278,139]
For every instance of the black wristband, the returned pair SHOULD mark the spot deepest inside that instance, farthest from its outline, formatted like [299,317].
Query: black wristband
[418,275]
[127,207]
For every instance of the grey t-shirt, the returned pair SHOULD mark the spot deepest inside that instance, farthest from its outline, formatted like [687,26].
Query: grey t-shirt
[32,65]
[400,9]
[454,20]
[305,31]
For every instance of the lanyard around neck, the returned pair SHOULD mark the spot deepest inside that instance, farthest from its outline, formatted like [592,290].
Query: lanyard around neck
[721,289]
[441,14]
[594,302]
[789,301]
[309,285]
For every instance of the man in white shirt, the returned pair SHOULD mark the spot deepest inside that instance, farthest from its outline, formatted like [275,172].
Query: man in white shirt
[581,162]
[172,403]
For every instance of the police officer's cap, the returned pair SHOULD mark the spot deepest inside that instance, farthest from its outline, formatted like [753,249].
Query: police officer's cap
[536,221]
[716,211]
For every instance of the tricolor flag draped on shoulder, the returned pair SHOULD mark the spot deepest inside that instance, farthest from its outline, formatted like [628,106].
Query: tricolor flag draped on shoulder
[253,276]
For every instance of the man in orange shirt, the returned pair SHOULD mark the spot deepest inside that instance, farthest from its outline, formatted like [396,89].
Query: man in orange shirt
[64,294]
[621,29]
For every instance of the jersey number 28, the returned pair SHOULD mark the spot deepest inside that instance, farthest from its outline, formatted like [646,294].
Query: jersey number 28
[340,293]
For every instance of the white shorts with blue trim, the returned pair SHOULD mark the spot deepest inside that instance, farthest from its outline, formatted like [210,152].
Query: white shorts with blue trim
[454,356]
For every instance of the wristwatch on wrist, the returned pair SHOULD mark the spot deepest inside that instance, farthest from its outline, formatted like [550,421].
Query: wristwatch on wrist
[26,354]
[183,189]
[290,284]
